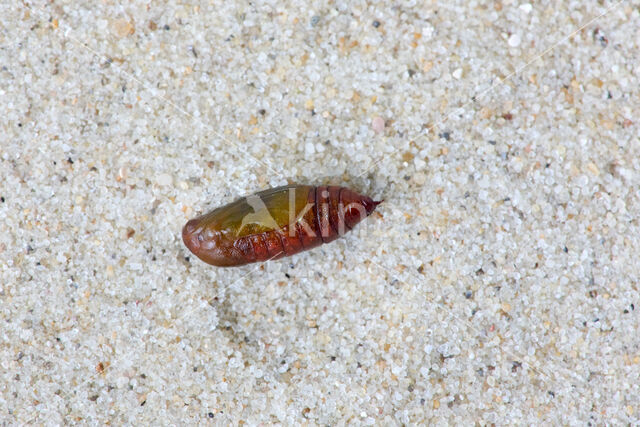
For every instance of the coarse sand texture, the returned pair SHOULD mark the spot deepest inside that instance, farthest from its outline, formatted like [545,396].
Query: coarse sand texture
[498,283]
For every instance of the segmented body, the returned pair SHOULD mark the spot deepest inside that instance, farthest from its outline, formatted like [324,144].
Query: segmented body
[275,223]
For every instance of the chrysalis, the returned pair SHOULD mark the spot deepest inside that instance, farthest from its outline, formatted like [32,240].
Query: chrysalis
[275,223]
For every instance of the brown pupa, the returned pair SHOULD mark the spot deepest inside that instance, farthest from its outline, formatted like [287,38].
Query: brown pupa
[275,223]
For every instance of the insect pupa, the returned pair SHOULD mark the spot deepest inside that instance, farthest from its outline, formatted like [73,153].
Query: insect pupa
[275,223]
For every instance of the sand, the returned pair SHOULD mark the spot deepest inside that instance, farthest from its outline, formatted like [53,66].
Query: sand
[497,283]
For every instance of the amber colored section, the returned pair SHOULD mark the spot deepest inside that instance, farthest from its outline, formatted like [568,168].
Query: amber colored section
[261,212]
[275,223]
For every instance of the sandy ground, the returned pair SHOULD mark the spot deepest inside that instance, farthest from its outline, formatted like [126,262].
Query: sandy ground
[498,283]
